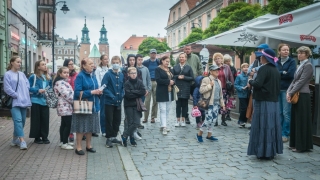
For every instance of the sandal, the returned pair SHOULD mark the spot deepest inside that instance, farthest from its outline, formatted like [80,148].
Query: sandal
[145,121]
[152,120]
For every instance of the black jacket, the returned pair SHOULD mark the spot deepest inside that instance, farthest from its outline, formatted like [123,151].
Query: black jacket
[290,67]
[132,91]
[185,83]
[126,75]
[267,84]
[162,79]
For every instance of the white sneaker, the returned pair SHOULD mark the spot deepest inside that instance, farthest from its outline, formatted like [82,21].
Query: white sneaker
[66,146]
[136,136]
[60,144]
[103,134]
[183,124]
[164,131]
[15,142]
[71,143]
[161,129]
[177,124]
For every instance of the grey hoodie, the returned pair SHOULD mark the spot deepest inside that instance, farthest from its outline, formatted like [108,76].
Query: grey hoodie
[145,77]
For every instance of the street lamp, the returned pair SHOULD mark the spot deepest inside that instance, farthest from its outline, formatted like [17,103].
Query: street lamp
[192,27]
[65,9]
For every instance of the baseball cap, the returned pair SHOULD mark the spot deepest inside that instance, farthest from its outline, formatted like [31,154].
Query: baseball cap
[213,67]
[153,51]
[263,46]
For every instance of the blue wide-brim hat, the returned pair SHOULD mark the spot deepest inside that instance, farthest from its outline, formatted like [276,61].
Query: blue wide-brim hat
[270,55]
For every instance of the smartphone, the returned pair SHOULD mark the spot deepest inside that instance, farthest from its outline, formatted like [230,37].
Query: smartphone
[102,87]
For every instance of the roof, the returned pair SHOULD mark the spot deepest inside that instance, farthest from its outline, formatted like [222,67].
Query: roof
[191,3]
[134,42]
[94,53]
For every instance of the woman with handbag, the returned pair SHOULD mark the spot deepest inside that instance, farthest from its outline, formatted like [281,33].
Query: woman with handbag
[212,100]
[39,120]
[265,135]
[227,81]
[86,120]
[298,94]
[64,93]
[164,91]
[16,86]
[134,90]
[183,76]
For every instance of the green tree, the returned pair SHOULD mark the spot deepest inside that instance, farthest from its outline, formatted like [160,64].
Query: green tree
[152,43]
[194,36]
[283,6]
[231,17]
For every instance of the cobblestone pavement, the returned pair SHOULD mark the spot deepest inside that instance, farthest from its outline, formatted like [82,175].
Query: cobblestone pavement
[179,156]
[49,161]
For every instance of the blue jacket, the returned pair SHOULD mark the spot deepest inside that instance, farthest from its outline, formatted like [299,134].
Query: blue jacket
[196,94]
[113,93]
[87,82]
[37,97]
[241,81]
[290,67]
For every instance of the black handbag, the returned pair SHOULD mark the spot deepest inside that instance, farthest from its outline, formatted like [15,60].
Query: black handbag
[229,84]
[204,102]
[7,100]
[140,105]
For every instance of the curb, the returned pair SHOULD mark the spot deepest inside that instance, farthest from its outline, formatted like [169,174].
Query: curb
[130,168]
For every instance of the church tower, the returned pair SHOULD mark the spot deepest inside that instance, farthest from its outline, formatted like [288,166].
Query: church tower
[103,41]
[85,42]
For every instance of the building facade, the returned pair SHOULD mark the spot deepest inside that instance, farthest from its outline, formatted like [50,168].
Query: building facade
[66,49]
[95,55]
[198,13]
[3,37]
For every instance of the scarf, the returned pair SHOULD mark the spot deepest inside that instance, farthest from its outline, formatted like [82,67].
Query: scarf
[169,76]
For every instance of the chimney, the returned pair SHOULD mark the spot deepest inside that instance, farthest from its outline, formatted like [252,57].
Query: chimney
[134,35]
[145,36]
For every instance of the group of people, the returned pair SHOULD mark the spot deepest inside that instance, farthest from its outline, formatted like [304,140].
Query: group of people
[266,86]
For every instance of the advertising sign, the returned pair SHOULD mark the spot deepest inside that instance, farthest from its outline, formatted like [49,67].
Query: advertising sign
[27,9]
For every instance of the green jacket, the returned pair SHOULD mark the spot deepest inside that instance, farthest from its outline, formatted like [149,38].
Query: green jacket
[195,64]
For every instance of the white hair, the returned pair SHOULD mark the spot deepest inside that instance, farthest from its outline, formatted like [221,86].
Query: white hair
[227,57]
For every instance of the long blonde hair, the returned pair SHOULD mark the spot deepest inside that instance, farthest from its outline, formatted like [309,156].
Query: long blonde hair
[37,71]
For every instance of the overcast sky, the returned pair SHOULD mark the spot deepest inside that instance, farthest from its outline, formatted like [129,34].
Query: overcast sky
[122,19]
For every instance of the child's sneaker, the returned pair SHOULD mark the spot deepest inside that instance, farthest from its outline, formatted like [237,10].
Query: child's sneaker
[66,146]
[199,138]
[133,142]
[211,138]
[136,136]
[124,141]
[23,145]
[183,123]
[15,142]
[164,131]
[177,124]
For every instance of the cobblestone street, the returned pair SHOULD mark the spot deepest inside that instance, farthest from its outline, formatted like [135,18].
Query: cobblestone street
[175,156]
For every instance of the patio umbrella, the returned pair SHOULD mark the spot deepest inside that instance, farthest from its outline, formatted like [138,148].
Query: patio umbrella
[299,26]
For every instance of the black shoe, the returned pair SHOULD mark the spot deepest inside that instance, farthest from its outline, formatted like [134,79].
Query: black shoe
[133,142]
[116,141]
[46,141]
[216,124]
[38,141]
[228,118]
[223,123]
[84,138]
[139,134]
[124,141]
[109,143]
[79,152]
[91,150]
[140,127]
[187,120]
[95,135]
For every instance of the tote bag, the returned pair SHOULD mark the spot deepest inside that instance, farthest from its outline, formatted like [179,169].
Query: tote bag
[82,106]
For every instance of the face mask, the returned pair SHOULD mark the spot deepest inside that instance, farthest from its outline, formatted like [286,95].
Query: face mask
[115,66]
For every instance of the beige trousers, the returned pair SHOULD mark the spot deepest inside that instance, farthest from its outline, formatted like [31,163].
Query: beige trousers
[147,102]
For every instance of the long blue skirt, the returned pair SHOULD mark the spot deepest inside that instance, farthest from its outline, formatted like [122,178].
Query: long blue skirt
[265,135]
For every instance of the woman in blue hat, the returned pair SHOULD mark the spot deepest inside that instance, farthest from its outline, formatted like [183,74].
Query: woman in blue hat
[265,135]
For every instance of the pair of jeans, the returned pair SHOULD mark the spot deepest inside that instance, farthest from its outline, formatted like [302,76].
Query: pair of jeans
[243,109]
[39,121]
[181,108]
[164,111]
[113,120]
[285,113]
[65,127]
[19,118]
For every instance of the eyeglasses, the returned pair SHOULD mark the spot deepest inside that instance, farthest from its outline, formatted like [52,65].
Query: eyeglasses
[70,64]
[133,73]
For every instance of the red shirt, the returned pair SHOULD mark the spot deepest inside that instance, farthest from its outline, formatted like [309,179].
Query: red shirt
[222,77]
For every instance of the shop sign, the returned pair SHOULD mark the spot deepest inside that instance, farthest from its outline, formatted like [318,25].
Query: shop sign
[15,36]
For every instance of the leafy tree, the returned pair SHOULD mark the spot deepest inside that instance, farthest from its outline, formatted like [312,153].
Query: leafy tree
[152,43]
[194,36]
[283,6]
[231,17]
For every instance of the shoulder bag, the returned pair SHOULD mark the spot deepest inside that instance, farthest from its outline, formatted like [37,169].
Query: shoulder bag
[204,102]
[229,84]
[140,105]
[8,99]
[82,106]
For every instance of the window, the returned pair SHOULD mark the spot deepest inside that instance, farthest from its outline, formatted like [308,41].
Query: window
[65,51]
[174,16]
[179,36]
[59,52]
[184,32]
[179,13]
[85,52]
[71,52]
[208,19]
[200,21]
[173,39]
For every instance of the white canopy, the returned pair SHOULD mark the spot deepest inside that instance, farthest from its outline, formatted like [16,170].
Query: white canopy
[299,26]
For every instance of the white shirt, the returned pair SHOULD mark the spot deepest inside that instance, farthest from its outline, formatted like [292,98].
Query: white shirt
[100,72]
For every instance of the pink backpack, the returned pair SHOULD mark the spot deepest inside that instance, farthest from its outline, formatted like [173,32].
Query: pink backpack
[195,112]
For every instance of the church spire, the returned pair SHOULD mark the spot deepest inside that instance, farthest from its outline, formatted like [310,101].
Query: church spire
[85,33]
[103,34]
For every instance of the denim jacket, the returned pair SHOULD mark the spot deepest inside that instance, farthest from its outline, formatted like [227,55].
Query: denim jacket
[241,81]
[37,97]
[113,93]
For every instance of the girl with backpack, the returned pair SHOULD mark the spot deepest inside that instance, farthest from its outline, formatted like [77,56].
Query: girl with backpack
[39,120]
[64,93]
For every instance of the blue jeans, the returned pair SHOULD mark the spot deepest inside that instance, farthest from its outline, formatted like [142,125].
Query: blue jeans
[285,113]
[102,116]
[19,118]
